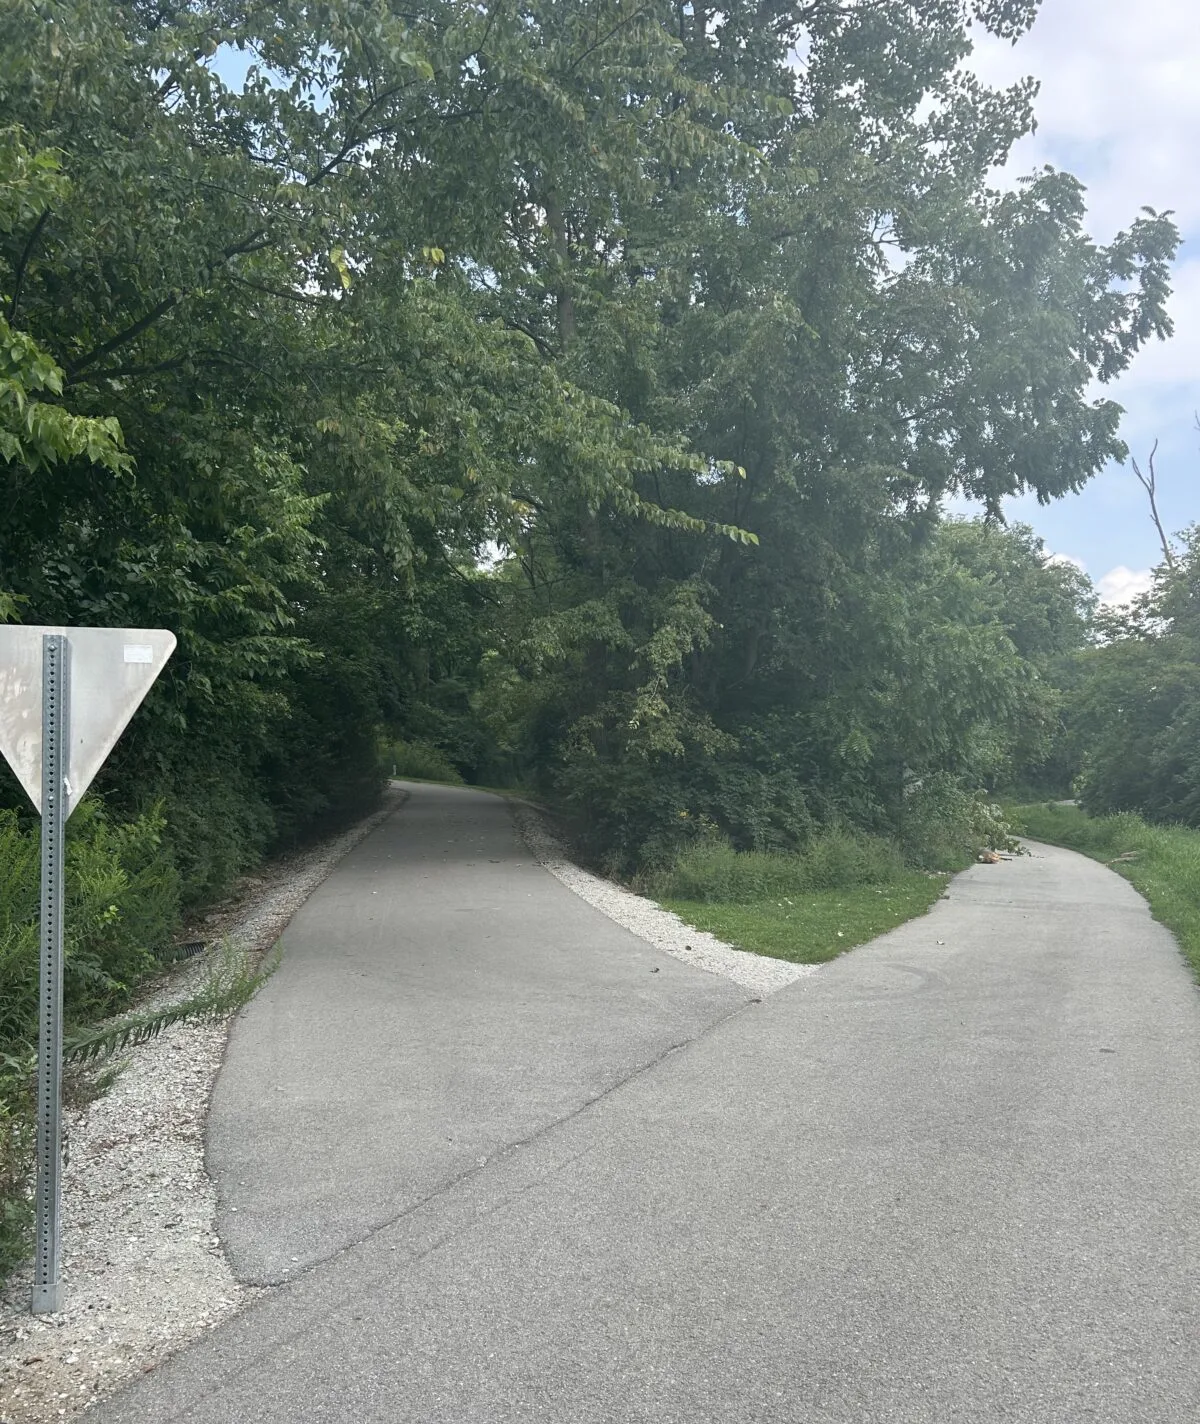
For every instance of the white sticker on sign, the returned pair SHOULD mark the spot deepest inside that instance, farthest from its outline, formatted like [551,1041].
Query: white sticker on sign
[112,669]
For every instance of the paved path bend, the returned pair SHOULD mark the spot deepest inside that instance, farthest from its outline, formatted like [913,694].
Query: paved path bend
[952,1177]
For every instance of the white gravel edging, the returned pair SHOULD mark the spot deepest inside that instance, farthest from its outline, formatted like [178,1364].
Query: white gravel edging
[143,1268]
[659,927]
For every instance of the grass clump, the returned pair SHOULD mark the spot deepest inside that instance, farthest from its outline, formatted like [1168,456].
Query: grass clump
[834,860]
[1160,862]
[842,890]
[814,927]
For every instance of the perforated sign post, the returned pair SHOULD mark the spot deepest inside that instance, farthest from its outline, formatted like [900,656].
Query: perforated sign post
[66,695]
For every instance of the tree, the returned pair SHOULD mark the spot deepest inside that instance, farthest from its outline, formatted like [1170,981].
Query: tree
[1139,706]
[280,301]
[631,291]
[836,306]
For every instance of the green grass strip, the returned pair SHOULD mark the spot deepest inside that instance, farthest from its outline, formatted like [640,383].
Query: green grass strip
[1160,862]
[814,926]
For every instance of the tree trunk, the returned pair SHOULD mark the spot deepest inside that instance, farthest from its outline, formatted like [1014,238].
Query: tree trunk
[562,275]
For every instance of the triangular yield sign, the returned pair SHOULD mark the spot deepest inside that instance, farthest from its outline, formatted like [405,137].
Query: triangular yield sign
[112,669]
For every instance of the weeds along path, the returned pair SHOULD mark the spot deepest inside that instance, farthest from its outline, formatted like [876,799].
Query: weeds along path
[949,1177]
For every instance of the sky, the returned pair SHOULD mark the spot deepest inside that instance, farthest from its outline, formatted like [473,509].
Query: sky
[1120,108]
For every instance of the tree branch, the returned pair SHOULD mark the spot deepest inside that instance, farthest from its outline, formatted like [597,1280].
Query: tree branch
[540,342]
[22,265]
[255,243]
[493,11]
[117,373]
[1150,485]
[358,136]
[604,39]
[282,292]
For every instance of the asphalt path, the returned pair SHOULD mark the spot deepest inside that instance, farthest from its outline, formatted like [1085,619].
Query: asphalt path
[440,999]
[951,1177]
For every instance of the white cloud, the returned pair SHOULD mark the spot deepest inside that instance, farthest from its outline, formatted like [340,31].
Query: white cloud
[1118,100]
[1066,560]
[1122,585]
[1119,107]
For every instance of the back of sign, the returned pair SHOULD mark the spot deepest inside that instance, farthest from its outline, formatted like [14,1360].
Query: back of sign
[112,669]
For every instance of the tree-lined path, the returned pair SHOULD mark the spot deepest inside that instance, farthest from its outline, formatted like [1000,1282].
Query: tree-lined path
[950,1177]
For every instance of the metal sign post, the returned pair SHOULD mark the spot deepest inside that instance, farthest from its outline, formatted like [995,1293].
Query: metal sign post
[55,752]
[56,708]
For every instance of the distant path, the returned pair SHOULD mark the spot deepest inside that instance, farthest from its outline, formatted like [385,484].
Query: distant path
[440,998]
[955,1176]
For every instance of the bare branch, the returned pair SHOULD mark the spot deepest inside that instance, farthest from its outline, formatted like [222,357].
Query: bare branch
[1149,483]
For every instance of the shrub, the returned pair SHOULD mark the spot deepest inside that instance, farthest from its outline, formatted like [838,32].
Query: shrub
[942,826]
[838,859]
[219,824]
[122,902]
[833,860]
[423,762]
[635,815]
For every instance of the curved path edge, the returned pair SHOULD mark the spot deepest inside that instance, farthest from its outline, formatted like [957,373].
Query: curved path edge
[143,1266]
[649,921]
[951,1177]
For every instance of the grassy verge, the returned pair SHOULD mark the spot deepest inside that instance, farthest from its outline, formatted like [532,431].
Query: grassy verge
[814,928]
[1161,862]
[842,891]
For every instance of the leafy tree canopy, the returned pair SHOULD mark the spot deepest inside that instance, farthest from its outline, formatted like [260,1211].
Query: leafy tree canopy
[682,319]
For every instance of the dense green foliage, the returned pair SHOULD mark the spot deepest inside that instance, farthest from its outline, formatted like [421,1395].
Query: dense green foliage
[940,682]
[842,311]
[122,898]
[1135,708]
[560,392]
[631,296]
[1161,862]
[421,761]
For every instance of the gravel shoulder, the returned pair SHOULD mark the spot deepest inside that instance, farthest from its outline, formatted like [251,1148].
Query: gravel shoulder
[144,1268]
[951,1177]
[649,921]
